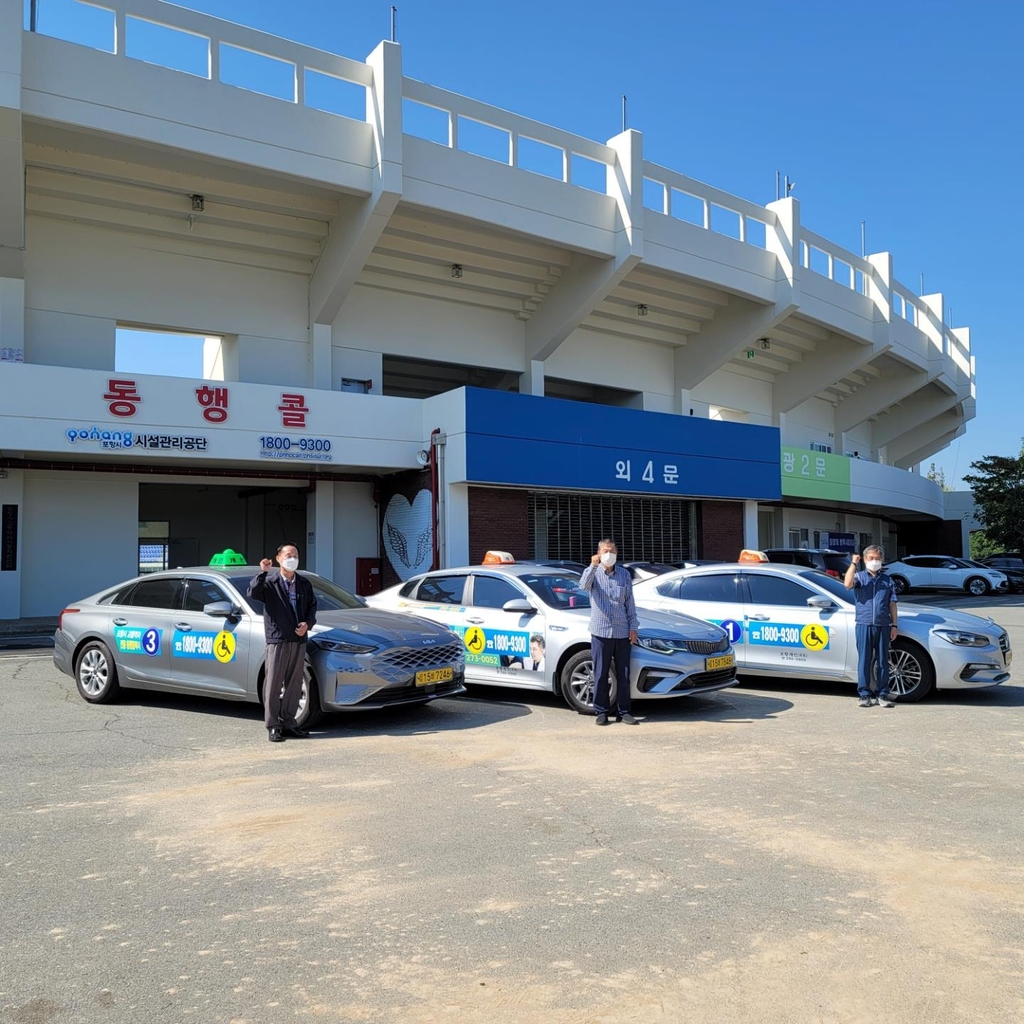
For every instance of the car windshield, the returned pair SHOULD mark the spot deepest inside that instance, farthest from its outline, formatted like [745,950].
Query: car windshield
[557,590]
[830,583]
[329,596]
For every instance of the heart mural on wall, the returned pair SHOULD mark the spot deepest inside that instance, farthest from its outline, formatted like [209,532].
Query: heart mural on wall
[408,534]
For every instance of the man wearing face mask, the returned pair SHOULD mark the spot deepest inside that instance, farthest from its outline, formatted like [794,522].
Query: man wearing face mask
[613,626]
[875,596]
[289,610]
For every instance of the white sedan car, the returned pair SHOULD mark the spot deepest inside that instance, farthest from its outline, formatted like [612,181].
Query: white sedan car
[792,621]
[943,572]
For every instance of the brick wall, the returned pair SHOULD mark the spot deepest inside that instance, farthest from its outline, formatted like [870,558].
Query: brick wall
[720,529]
[498,520]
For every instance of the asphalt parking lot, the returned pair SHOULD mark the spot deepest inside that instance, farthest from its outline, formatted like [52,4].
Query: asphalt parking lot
[768,853]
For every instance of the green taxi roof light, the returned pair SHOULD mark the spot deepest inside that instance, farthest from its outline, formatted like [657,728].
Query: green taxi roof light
[228,557]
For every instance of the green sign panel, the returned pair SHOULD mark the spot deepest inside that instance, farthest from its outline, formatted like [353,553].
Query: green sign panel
[807,474]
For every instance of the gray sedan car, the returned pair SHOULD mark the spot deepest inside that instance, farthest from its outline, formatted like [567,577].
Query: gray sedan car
[194,631]
[527,626]
[787,620]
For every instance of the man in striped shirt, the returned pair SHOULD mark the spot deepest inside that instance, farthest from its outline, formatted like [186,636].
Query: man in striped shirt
[613,626]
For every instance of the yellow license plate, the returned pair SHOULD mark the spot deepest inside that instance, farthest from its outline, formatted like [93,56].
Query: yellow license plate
[434,675]
[726,661]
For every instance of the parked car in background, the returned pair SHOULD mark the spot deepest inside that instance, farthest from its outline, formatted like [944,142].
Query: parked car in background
[790,621]
[1011,566]
[561,563]
[194,631]
[692,563]
[528,626]
[943,572]
[645,570]
[832,563]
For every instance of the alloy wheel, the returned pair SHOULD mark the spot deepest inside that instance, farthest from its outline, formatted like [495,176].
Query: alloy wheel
[93,672]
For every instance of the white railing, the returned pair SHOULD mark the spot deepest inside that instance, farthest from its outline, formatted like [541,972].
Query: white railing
[675,195]
[823,257]
[483,130]
[202,43]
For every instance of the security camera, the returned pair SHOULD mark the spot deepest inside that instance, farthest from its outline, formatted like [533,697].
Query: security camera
[423,457]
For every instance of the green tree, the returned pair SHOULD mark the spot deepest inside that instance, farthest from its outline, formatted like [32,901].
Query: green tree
[998,486]
[982,545]
[938,476]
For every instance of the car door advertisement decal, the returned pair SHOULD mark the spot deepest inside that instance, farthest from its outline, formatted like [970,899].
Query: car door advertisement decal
[496,648]
[207,646]
[810,637]
[138,640]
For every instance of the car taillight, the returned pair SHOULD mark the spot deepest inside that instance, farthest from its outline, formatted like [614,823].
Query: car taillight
[60,618]
[832,572]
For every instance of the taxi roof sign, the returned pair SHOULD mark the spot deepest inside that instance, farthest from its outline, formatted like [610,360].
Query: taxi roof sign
[228,557]
[748,556]
[498,558]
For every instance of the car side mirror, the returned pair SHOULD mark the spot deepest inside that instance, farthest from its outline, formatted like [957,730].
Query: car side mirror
[222,610]
[824,603]
[519,606]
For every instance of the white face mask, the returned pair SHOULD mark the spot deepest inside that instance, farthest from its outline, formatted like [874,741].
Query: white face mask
[291,564]
[608,558]
[874,565]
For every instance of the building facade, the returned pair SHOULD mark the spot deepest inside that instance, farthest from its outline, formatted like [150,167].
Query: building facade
[429,327]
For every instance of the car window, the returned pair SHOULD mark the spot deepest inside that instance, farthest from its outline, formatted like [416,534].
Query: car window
[442,589]
[557,590]
[928,562]
[120,596]
[409,587]
[776,590]
[835,587]
[782,557]
[719,587]
[201,593]
[669,589]
[161,593]
[837,563]
[494,592]
[949,563]
[329,596]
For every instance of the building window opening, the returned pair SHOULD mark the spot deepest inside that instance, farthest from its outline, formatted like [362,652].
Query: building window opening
[165,353]
[596,394]
[420,378]
[153,546]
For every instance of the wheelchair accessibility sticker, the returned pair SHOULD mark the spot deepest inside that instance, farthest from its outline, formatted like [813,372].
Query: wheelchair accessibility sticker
[209,646]
[137,640]
[812,637]
[497,648]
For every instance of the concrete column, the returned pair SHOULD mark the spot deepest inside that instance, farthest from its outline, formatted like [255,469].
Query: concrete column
[12,314]
[783,239]
[12,492]
[531,382]
[456,526]
[750,538]
[879,286]
[323,529]
[322,357]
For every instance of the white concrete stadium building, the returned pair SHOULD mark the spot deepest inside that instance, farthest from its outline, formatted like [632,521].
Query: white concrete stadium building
[418,311]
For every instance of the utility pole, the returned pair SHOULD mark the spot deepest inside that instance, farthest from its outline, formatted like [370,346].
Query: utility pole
[863,239]
[624,112]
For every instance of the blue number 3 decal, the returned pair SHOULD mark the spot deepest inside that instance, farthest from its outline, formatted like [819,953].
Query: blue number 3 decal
[151,642]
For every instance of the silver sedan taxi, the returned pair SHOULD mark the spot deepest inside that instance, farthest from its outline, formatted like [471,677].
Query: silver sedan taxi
[194,631]
[527,626]
[793,621]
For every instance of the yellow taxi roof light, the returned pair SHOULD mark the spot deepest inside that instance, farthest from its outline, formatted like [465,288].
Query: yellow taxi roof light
[750,556]
[498,558]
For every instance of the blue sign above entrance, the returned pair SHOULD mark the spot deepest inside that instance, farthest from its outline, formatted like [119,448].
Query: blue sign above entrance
[529,441]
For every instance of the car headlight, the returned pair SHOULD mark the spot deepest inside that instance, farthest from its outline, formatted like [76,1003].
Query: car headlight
[662,646]
[342,646]
[964,639]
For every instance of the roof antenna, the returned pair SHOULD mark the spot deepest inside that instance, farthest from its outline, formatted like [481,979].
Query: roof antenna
[623,111]
[394,23]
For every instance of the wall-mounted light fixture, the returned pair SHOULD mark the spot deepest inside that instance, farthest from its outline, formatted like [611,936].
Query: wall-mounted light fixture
[456,270]
[198,203]
[641,309]
[765,344]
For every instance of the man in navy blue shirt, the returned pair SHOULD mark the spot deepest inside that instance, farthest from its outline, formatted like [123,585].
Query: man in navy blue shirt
[875,596]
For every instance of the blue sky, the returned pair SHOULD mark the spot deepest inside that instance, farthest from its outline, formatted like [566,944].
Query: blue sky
[904,114]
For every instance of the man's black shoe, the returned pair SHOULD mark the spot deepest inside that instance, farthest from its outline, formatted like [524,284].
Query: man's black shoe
[275,736]
[627,719]
[300,734]
[602,719]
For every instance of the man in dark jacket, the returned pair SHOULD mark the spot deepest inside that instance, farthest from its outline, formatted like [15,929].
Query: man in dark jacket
[289,610]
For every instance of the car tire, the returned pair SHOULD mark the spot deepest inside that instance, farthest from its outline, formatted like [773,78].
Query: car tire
[911,672]
[96,674]
[900,585]
[576,682]
[977,586]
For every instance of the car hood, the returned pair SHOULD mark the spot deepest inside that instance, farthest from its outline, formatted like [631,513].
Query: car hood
[381,626]
[938,618]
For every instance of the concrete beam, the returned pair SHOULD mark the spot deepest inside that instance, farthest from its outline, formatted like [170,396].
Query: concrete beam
[874,398]
[732,331]
[831,362]
[926,451]
[12,155]
[915,411]
[921,436]
[589,280]
[353,237]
